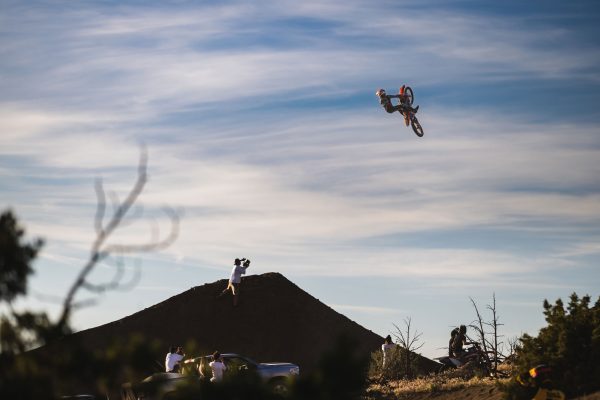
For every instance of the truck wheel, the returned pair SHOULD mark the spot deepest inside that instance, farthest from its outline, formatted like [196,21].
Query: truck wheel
[279,386]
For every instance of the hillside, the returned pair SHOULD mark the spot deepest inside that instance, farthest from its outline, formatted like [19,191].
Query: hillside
[275,321]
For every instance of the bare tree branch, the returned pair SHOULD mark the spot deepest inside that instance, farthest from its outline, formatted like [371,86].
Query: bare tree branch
[114,200]
[100,250]
[99,288]
[135,279]
[479,327]
[494,324]
[100,207]
[135,214]
[45,297]
[76,305]
[408,341]
[151,245]
[489,340]
[116,283]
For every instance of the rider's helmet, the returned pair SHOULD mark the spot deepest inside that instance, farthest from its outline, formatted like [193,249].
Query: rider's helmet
[540,372]
[380,92]
[463,329]
[541,375]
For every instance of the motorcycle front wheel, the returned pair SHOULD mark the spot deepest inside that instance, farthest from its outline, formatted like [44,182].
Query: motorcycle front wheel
[416,126]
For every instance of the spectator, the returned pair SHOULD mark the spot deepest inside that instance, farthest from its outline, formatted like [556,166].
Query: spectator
[386,348]
[173,358]
[460,339]
[217,366]
[202,367]
[451,342]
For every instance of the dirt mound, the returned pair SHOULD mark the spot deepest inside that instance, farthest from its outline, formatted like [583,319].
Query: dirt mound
[274,321]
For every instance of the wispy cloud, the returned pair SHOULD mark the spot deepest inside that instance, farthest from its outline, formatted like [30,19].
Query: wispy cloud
[156,60]
[264,133]
[225,198]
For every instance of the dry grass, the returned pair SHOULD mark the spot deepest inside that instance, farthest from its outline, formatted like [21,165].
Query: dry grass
[445,382]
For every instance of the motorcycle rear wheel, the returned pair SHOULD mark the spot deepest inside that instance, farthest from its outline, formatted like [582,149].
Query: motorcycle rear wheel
[416,126]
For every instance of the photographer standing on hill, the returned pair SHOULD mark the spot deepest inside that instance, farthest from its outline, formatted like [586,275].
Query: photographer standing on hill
[236,278]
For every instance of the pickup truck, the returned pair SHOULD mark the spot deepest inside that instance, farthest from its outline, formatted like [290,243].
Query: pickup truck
[159,385]
[275,374]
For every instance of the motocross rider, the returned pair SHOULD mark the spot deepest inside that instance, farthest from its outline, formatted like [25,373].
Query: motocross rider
[460,339]
[386,102]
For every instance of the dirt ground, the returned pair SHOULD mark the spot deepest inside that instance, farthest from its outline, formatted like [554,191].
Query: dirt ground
[470,393]
[483,392]
[488,392]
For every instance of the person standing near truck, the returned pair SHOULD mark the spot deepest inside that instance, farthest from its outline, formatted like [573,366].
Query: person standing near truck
[217,367]
[173,359]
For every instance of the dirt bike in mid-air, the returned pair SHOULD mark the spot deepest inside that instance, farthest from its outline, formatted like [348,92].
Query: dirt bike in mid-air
[407,99]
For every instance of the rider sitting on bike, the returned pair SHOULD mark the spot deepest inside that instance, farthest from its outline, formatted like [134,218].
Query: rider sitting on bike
[460,339]
[402,108]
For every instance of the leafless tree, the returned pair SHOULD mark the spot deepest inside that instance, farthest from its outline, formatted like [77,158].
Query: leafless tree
[510,356]
[409,344]
[493,324]
[488,335]
[101,248]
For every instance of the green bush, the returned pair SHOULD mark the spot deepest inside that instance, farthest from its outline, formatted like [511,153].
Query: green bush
[570,345]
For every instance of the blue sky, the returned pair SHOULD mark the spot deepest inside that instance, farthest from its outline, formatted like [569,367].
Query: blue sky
[263,131]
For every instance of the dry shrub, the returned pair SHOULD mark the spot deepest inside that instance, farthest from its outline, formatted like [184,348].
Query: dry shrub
[397,366]
[448,381]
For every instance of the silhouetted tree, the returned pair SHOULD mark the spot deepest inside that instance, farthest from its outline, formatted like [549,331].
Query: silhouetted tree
[402,359]
[102,249]
[569,344]
[408,341]
[23,375]
[16,257]
[488,336]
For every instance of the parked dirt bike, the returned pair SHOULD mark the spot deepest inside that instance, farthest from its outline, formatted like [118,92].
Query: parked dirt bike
[408,99]
[473,356]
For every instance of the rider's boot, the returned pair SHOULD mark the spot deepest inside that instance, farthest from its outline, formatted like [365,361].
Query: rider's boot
[414,110]
[406,118]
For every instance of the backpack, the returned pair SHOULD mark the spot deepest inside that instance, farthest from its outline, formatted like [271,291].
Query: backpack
[453,334]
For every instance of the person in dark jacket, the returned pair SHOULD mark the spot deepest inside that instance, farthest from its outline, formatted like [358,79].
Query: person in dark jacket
[459,341]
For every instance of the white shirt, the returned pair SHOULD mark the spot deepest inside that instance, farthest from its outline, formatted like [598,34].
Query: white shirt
[386,348]
[236,273]
[171,360]
[217,369]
